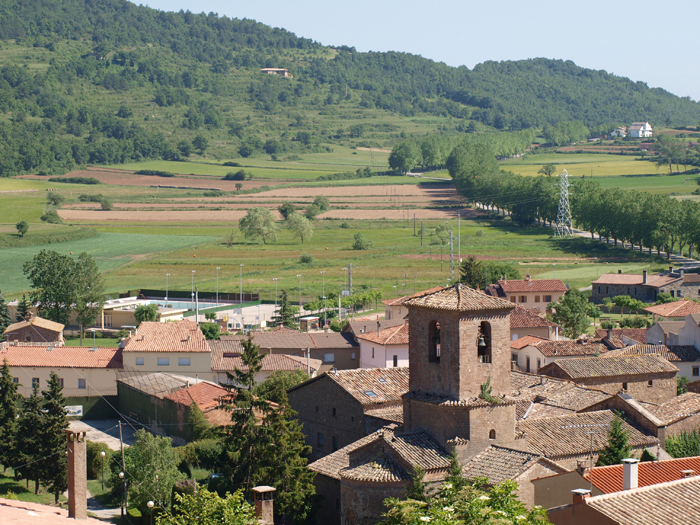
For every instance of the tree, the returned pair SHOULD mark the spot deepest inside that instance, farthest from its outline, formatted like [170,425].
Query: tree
[5,319]
[52,277]
[405,156]
[417,487]
[200,143]
[29,449]
[548,169]
[608,303]
[322,202]
[185,148]
[681,385]
[239,186]
[663,298]
[89,292]
[312,211]
[571,312]
[259,224]
[300,225]
[618,447]
[54,473]
[441,236]
[22,310]
[205,508]
[210,330]
[469,162]
[286,209]
[199,426]
[274,388]
[454,473]
[146,312]
[594,312]
[361,242]
[22,227]
[471,273]
[286,313]
[622,301]
[8,416]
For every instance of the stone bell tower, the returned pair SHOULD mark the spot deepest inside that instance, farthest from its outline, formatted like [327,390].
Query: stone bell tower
[459,340]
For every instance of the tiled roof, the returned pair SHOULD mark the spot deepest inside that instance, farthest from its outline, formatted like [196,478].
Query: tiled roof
[673,502]
[578,368]
[674,309]
[524,318]
[39,322]
[225,357]
[655,281]
[569,435]
[558,394]
[682,353]
[14,512]
[367,325]
[418,449]
[499,464]
[532,285]
[609,478]
[298,340]
[179,336]
[691,278]
[392,413]
[205,394]
[62,356]
[381,469]
[459,298]
[449,401]
[333,463]
[528,340]
[678,408]
[397,335]
[636,334]
[399,300]
[670,327]
[571,348]
[332,340]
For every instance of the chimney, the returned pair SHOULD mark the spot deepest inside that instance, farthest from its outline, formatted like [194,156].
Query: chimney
[644,278]
[264,504]
[580,495]
[670,269]
[581,467]
[630,473]
[682,272]
[610,333]
[29,316]
[527,278]
[619,271]
[687,473]
[77,475]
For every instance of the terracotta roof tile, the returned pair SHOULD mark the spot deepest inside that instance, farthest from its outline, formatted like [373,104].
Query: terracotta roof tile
[380,469]
[500,463]
[332,340]
[180,336]
[571,348]
[678,408]
[523,318]
[670,327]
[578,368]
[205,394]
[447,401]
[367,325]
[459,298]
[609,478]
[392,414]
[333,463]
[522,342]
[418,449]
[635,334]
[557,394]
[13,512]
[654,281]
[397,335]
[532,285]
[372,386]
[685,353]
[569,435]
[62,356]
[39,322]
[399,300]
[671,502]
[225,357]
[675,309]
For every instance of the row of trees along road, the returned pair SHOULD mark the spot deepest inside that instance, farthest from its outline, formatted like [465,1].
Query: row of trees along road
[649,221]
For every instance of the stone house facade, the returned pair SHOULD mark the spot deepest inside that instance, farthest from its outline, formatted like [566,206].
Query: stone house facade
[646,287]
[35,330]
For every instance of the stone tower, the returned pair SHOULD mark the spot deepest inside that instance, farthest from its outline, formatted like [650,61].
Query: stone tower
[459,339]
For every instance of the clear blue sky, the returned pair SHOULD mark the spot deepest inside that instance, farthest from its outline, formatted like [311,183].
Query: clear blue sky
[656,41]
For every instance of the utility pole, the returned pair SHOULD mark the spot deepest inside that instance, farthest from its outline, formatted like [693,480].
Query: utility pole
[564,227]
[452,259]
[414,224]
[196,302]
[350,277]
[459,237]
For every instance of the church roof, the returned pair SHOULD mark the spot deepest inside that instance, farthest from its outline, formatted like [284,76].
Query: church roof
[459,298]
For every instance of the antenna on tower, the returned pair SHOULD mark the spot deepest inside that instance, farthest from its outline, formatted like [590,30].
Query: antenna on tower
[564,227]
[452,259]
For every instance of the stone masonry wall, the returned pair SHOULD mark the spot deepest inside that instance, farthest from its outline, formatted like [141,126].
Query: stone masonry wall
[34,334]
[663,386]
[365,500]
[329,490]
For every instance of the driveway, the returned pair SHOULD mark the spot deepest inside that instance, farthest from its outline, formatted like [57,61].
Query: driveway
[104,431]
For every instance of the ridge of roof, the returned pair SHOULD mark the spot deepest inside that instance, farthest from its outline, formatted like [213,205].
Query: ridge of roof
[532,285]
[459,298]
[611,366]
[35,321]
[395,335]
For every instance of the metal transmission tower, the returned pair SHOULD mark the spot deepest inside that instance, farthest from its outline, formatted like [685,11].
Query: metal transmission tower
[564,227]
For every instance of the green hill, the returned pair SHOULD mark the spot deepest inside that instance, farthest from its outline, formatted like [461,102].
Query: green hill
[107,81]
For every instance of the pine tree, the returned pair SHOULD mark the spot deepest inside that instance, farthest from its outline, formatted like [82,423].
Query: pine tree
[5,319]
[199,426]
[22,309]
[618,447]
[454,472]
[286,312]
[416,487]
[8,417]
[471,273]
[28,440]
[54,473]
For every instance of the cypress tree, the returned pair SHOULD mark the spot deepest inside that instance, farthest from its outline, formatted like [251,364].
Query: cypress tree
[454,473]
[54,473]
[199,426]
[22,309]
[618,447]
[8,417]
[5,319]
[286,312]
[29,449]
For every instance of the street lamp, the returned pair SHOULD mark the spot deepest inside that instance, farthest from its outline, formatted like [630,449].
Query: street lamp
[150,510]
[299,295]
[102,453]
[323,294]
[217,286]
[123,478]
[241,278]
[166,285]
[193,272]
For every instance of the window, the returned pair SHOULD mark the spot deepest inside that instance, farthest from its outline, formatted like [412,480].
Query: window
[537,298]
[527,364]
[514,358]
[512,298]
[352,356]
[514,337]
[547,298]
[606,290]
[183,361]
[139,360]
[319,440]
[28,339]
[60,381]
[81,384]
[696,370]
[333,411]
[35,381]
[624,386]
[370,393]
[539,363]
[15,380]
[523,298]
[163,361]
[673,293]
[352,419]
[650,382]
[492,434]
[484,342]
[396,361]
[329,358]
[599,289]
[335,443]
[316,408]
[434,342]
[372,352]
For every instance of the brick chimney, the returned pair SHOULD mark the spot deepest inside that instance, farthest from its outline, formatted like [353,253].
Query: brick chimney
[630,473]
[527,278]
[77,475]
[644,278]
[264,503]
[687,473]
[580,495]
[619,271]
[610,333]
[29,316]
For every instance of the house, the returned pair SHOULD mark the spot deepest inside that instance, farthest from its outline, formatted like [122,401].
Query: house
[226,357]
[685,358]
[648,378]
[341,407]
[640,130]
[646,287]
[673,502]
[675,310]
[120,313]
[529,322]
[35,330]
[618,132]
[394,308]
[621,337]
[276,71]
[178,347]
[384,348]
[686,334]
[663,332]
[528,292]
[16,512]
[532,353]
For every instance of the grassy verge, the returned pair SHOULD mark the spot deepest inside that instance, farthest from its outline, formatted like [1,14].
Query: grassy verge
[19,490]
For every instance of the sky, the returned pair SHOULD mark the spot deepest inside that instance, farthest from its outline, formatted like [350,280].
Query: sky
[655,42]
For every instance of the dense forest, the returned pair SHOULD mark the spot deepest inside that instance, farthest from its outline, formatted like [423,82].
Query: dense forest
[57,109]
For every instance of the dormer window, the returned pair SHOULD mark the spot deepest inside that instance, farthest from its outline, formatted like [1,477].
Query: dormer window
[434,342]
[483,344]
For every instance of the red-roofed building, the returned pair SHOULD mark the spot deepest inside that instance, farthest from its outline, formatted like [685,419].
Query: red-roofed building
[528,292]
[646,287]
[530,322]
[384,348]
[676,310]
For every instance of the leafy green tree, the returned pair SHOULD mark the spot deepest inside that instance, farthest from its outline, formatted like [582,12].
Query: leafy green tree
[259,224]
[56,199]
[594,313]
[29,444]
[571,312]
[618,447]
[278,382]
[472,273]
[210,316]
[210,330]
[22,310]
[684,445]
[239,186]
[497,270]
[301,226]
[199,426]
[54,473]
[311,211]
[146,312]
[548,169]
[52,277]
[286,312]
[663,298]
[5,319]
[622,301]
[204,508]
[470,162]
[200,143]
[185,148]
[322,202]
[286,209]
[681,385]
[89,292]
[8,416]
[454,473]
[405,156]
[22,227]
[361,242]
[608,303]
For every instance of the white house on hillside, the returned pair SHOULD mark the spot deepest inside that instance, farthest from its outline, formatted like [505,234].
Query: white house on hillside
[619,132]
[640,130]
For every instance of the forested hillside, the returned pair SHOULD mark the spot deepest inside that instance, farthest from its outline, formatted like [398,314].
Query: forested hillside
[107,81]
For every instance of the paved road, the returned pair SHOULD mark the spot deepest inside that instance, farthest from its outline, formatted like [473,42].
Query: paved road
[104,431]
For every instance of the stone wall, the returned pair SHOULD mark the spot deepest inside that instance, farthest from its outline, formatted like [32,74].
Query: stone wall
[34,334]
[329,491]
[362,502]
[662,389]
[526,489]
